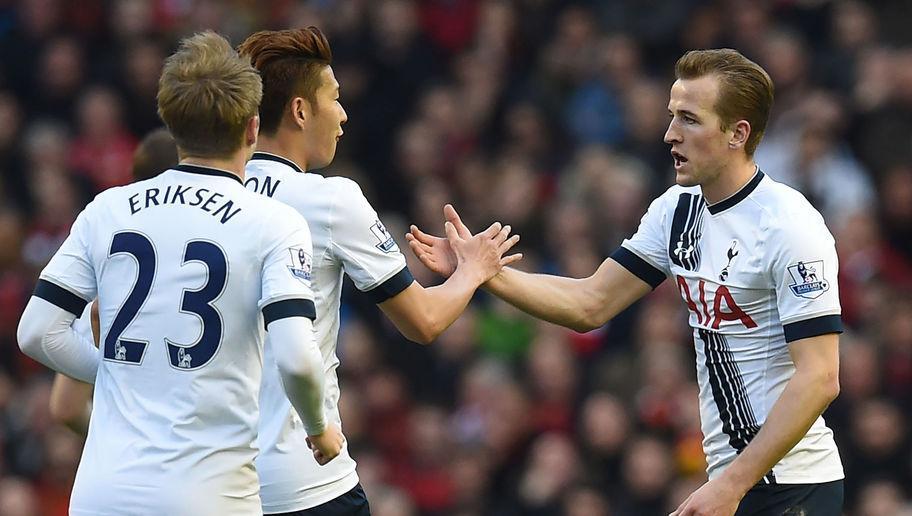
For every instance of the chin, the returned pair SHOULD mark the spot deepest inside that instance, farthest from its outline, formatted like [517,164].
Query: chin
[685,179]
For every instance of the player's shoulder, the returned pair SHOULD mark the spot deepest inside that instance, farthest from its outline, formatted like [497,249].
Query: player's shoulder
[670,198]
[787,215]
[783,205]
[345,188]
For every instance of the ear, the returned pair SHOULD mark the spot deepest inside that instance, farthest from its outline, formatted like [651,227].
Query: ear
[252,131]
[740,133]
[300,111]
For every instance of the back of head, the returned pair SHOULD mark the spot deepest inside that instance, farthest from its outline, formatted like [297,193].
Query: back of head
[206,96]
[156,153]
[290,62]
[745,89]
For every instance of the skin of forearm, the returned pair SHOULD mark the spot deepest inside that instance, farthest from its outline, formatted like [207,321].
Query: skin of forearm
[804,398]
[559,300]
[444,303]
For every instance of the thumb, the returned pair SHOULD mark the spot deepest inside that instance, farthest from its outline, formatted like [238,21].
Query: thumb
[451,233]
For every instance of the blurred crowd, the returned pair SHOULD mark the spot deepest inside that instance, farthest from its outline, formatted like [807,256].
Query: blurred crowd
[544,114]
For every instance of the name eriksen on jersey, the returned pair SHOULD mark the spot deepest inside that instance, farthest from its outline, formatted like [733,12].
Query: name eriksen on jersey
[178,194]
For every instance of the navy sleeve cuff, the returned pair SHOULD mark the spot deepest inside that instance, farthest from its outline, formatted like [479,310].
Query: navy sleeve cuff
[813,327]
[391,287]
[289,308]
[60,296]
[638,266]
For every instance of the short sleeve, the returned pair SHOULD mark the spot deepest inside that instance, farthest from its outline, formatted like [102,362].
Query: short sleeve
[368,252]
[287,268]
[68,280]
[803,268]
[645,254]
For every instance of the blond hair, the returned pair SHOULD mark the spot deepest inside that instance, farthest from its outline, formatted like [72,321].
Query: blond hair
[206,96]
[745,89]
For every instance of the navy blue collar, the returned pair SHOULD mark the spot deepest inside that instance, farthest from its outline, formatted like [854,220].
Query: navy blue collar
[279,159]
[206,171]
[738,196]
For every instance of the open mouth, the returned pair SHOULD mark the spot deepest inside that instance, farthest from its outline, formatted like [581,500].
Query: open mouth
[679,159]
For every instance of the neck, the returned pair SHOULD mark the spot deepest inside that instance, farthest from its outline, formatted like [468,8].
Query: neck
[729,181]
[234,164]
[282,144]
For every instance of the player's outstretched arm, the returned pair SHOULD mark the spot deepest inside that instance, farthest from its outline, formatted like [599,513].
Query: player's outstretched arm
[581,304]
[421,314]
[301,366]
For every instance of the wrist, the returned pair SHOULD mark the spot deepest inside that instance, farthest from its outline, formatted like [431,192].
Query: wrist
[734,482]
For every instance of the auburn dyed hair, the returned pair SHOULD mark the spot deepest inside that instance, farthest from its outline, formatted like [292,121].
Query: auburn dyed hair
[290,62]
[745,89]
[206,96]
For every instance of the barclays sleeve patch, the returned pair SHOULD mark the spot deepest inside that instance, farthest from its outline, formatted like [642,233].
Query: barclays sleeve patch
[808,280]
[300,263]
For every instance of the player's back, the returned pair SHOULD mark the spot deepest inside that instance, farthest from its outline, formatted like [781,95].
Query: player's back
[178,261]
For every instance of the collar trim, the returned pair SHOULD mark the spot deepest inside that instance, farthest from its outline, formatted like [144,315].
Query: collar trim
[279,159]
[738,196]
[206,171]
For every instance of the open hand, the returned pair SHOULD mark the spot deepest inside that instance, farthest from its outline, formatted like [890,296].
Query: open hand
[483,252]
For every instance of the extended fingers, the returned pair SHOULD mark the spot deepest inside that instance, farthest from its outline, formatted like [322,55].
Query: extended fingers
[513,258]
[502,235]
[418,249]
[508,244]
[449,213]
[419,235]
[492,230]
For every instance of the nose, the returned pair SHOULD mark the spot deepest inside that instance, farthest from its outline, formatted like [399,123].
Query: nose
[671,134]
[344,115]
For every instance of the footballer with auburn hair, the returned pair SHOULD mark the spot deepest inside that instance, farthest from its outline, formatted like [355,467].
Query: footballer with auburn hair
[301,122]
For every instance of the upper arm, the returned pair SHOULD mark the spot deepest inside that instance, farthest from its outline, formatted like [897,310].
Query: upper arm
[68,280]
[613,288]
[406,308]
[287,269]
[818,356]
[803,271]
[368,252]
[637,267]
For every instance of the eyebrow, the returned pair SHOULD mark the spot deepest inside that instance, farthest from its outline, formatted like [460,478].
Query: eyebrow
[685,112]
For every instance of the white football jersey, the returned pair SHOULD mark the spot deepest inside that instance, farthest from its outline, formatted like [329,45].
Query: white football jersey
[756,271]
[182,265]
[349,238]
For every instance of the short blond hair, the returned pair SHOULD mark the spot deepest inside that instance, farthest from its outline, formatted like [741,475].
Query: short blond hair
[745,89]
[206,95]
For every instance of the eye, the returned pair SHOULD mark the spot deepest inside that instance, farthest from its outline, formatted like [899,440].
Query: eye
[689,120]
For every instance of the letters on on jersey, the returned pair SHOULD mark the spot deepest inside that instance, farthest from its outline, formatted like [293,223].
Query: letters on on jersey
[203,198]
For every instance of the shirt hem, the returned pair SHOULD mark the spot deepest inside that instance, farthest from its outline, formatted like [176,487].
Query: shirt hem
[333,491]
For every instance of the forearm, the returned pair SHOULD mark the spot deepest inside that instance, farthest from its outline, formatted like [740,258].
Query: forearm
[46,334]
[444,303]
[301,366]
[802,401]
[69,402]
